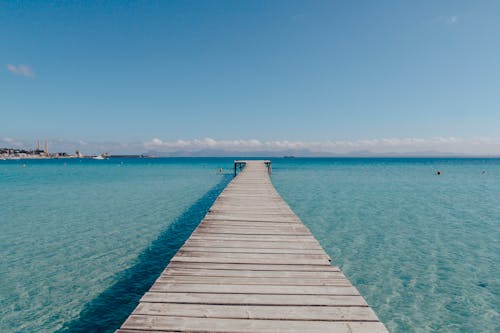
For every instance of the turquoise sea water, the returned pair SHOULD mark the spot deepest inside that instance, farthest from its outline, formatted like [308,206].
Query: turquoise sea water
[80,241]
[422,249]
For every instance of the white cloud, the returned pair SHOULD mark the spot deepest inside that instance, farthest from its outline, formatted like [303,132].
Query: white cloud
[21,70]
[452,19]
[455,145]
[382,145]
[156,141]
[446,19]
[10,143]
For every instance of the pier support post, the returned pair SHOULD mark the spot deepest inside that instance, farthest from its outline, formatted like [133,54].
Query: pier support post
[238,164]
[269,167]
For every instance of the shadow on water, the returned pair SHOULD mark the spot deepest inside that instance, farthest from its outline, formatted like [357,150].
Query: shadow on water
[109,310]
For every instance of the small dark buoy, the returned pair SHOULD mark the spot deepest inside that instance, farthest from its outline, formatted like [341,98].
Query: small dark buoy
[438,173]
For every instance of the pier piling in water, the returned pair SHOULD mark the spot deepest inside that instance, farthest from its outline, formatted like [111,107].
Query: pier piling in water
[252,266]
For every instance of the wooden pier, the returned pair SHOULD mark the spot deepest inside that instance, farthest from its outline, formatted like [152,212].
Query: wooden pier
[252,266]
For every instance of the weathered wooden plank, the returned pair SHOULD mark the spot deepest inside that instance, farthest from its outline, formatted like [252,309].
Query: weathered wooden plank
[252,273]
[189,324]
[242,256]
[227,280]
[204,249]
[325,313]
[255,225]
[249,225]
[268,261]
[246,224]
[255,222]
[252,231]
[250,218]
[251,213]
[254,267]
[254,299]
[159,286]
[242,204]
[254,244]
[261,238]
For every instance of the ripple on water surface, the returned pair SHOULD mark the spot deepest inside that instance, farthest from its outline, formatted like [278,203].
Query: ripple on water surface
[70,231]
[422,249]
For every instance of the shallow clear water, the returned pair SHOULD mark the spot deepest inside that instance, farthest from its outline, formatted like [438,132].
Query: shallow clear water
[422,249]
[80,241]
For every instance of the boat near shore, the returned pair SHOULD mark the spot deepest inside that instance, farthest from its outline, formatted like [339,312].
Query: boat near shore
[101,157]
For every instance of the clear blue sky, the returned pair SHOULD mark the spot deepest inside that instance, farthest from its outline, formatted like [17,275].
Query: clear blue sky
[116,71]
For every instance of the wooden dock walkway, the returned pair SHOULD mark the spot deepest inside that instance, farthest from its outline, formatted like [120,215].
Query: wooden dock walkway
[252,266]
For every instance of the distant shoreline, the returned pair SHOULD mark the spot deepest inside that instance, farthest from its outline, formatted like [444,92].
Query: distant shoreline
[16,158]
[28,158]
